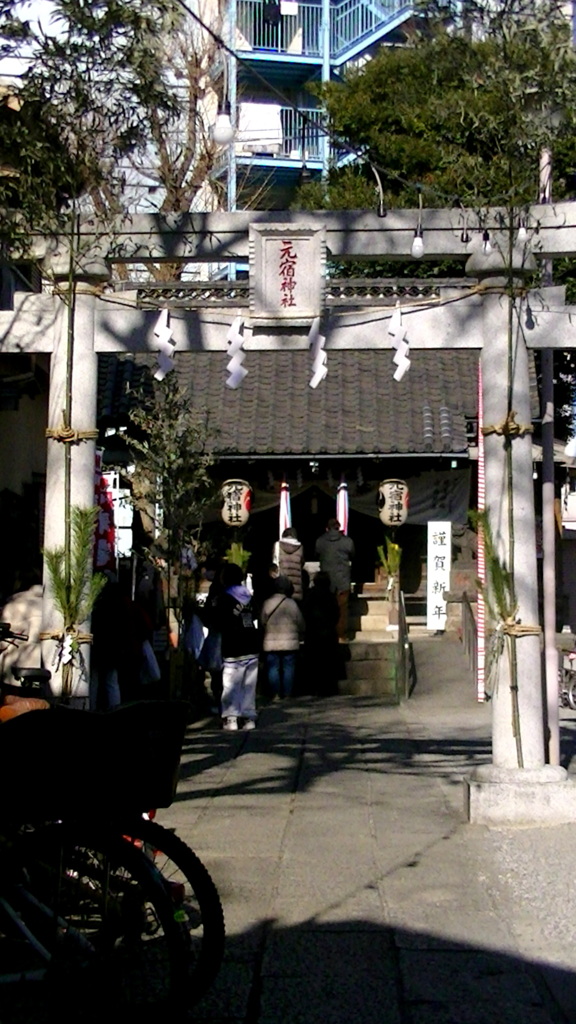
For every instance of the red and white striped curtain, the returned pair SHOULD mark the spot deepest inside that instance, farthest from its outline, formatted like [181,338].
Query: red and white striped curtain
[342,506]
[285,509]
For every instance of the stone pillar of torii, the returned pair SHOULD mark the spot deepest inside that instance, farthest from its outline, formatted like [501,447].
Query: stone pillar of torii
[483,318]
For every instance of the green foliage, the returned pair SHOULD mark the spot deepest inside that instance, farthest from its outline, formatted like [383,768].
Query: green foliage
[173,446]
[498,591]
[389,557]
[74,587]
[102,89]
[463,114]
[238,555]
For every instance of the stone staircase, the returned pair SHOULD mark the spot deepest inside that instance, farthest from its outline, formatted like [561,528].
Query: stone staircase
[371,668]
[370,665]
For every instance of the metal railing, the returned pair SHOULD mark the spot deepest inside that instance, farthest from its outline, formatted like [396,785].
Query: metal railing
[403,655]
[301,133]
[470,635]
[261,29]
[354,20]
[301,136]
[297,33]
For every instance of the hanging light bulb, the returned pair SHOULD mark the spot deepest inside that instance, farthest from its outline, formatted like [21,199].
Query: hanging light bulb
[417,249]
[570,449]
[522,232]
[486,246]
[464,234]
[223,132]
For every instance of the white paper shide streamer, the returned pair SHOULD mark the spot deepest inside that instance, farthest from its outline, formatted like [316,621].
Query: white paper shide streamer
[166,346]
[235,338]
[319,357]
[400,343]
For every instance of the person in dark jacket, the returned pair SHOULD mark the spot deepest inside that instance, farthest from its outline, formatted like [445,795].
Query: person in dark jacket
[290,560]
[240,646]
[321,614]
[211,654]
[335,552]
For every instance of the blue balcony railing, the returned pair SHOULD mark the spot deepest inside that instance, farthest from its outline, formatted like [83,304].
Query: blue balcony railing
[301,133]
[352,21]
[263,29]
[285,133]
[297,33]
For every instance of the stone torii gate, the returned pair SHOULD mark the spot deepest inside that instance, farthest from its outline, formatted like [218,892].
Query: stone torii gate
[480,318]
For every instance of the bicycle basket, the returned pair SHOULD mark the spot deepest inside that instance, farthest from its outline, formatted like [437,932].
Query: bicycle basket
[64,762]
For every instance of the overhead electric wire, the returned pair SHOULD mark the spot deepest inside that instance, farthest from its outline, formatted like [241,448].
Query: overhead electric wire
[449,199]
[336,141]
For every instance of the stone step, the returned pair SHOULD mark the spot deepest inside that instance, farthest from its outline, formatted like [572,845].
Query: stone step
[417,626]
[376,649]
[370,622]
[362,606]
[373,589]
[365,670]
[385,634]
[371,668]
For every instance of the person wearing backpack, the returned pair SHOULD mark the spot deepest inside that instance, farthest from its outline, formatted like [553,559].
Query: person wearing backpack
[283,627]
[240,648]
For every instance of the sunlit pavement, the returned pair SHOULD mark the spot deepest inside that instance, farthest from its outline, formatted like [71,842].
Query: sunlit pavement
[352,887]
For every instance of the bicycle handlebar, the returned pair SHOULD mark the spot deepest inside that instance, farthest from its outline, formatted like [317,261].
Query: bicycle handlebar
[8,634]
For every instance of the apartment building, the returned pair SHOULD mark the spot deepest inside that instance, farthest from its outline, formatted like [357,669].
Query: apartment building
[281,47]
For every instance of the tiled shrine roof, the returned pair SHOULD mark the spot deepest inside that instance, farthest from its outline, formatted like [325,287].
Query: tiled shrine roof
[357,409]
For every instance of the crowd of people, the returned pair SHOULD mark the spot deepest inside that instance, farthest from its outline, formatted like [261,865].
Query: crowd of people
[286,635]
[280,637]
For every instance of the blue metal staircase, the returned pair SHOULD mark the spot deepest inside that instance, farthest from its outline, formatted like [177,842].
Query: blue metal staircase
[282,46]
[355,25]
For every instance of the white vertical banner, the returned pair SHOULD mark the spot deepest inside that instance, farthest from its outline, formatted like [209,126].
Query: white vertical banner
[438,580]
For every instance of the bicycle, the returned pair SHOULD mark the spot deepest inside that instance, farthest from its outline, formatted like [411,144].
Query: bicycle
[85,855]
[567,682]
[97,917]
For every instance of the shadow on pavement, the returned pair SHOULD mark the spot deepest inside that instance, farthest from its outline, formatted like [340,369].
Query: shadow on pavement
[300,753]
[355,971]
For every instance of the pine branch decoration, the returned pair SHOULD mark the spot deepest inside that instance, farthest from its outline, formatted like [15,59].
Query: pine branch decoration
[75,593]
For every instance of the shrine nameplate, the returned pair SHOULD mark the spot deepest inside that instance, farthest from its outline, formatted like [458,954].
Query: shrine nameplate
[287,273]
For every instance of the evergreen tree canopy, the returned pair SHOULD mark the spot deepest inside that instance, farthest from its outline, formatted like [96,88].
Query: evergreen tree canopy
[461,114]
[111,90]
[461,110]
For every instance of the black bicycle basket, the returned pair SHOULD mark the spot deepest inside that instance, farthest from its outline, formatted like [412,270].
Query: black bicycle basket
[62,761]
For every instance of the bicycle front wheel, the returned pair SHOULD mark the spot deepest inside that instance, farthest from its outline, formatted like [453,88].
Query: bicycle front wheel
[102,910]
[195,899]
[571,690]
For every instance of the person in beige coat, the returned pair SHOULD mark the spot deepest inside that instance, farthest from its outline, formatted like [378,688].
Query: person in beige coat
[283,627]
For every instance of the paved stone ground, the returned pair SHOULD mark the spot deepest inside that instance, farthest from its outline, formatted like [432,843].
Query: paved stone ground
[352,887]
